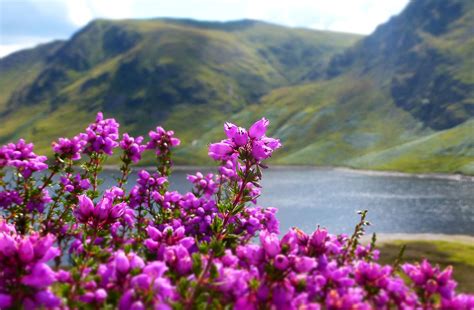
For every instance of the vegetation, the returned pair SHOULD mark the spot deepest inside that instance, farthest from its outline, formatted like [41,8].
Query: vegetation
[398,99]
[67,242]
[457,254]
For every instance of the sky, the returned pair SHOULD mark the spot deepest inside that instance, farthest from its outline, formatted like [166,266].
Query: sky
[26,23]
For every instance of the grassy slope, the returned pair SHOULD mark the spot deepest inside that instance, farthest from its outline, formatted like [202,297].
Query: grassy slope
[354,120]
[22,68]
[444,253]
[187,75]
[192,76]
[346,122]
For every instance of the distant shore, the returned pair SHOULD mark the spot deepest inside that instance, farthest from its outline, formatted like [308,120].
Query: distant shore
[443,176]
[387,238]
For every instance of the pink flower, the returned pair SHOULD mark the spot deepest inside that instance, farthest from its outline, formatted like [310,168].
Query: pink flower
[270,243]
[85,208]
[41,276]
[220,150]
[26,251]
[238,134]
[258,129]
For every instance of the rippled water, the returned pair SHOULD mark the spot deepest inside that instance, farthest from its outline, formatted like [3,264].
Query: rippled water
[307,197]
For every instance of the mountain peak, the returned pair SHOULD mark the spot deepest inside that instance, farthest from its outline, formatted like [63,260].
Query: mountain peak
[416,56]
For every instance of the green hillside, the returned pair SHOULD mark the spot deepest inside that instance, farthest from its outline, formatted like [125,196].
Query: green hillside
[141,71]
[401,98]
[357,115]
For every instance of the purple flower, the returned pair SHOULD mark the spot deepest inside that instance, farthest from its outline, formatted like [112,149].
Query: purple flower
[8,198]
[22,157]
[7,245]
[38,201]
[238,134]
[162,141]
[220,151]
[258,129]
[5,301]
[155,269]
[270,243]
[70,148]
[47,299]
[317,241]
[121,262]
[26,251]
[84,209]
[40,276]
[132,147]
[281,262]
[101,136]
[304,263]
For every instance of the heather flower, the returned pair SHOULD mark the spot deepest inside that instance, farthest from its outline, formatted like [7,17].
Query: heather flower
[132,147]
[104,212]
[70,148]
[317,241]
[461,301]
[220,151]
[431,279]
[238,134]
[38,201]
[258,129]
[75,184]
[281,262]
[101,136]
[6,301]
[8,198]
[270,243]
[22,157]
[40,276]
[204,184]
[162,141]
[239,140]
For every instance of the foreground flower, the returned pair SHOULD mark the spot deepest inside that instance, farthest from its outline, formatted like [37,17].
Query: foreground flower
[239,141]
[101,136]
[70,148]
[21,156]
[104,212]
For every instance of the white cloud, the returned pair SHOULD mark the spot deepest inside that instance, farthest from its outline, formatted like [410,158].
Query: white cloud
[6,49]
[357,16]
[79,12]
[25,42]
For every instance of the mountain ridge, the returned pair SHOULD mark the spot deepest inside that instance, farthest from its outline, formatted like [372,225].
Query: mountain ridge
[398,99]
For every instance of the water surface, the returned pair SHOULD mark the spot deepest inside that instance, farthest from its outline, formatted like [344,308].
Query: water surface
[307,197]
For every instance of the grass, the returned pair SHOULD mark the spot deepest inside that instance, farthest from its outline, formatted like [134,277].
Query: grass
[457,254]
[192,76]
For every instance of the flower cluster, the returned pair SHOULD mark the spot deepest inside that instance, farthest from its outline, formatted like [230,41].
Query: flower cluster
[253,143]
[101,137]
[151,247]
[103,213]
[70,148]
[132,147]
[21,156]
[25,277]
[161,141]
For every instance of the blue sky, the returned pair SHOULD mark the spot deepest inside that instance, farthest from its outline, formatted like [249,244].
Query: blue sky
[26,23]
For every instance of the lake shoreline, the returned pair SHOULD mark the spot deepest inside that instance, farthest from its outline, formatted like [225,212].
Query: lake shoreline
[391,237]
[442,176]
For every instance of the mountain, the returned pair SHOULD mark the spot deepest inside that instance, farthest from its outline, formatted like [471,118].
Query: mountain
[425,56]
[401,98]
[143,71]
